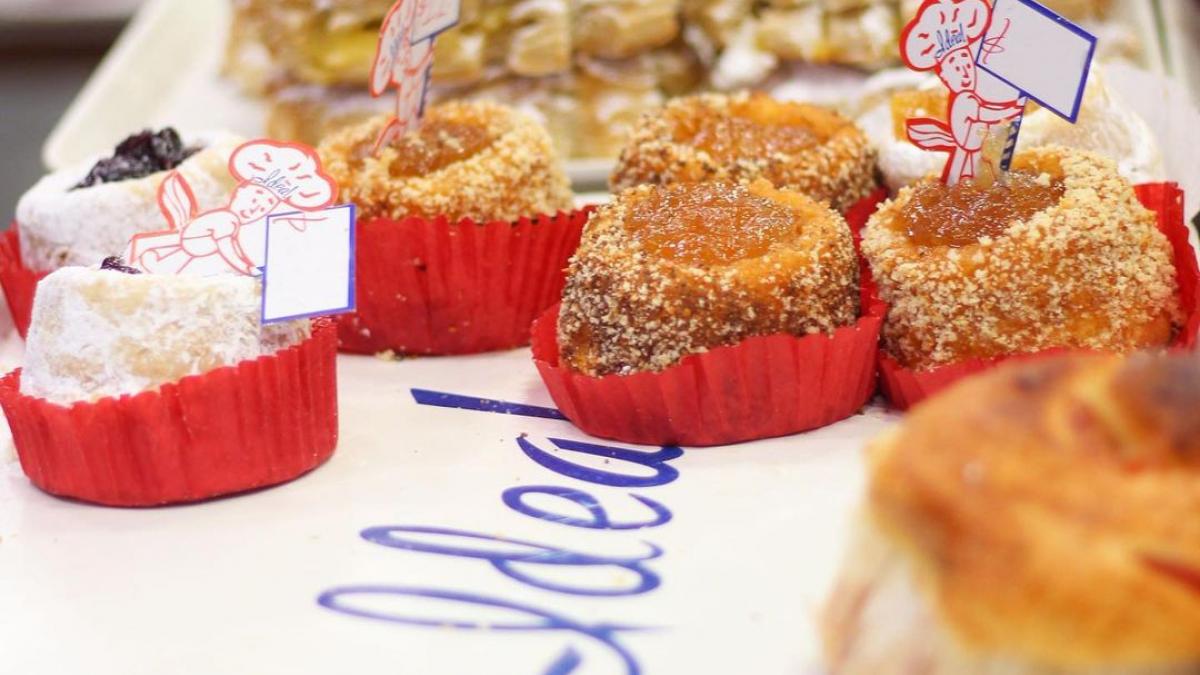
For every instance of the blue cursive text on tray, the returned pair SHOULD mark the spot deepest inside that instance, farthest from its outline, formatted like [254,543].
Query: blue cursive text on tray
[519,559]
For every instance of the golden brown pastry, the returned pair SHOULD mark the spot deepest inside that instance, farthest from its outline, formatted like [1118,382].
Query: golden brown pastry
[472,160]
[747,136]
[1064,255]
[667,271]
[1036,520]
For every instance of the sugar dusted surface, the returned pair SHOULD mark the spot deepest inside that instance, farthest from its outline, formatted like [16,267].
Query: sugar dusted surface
[1093,272]
[98,333]
[626,309]
[59,226]
[837,168]
[515,174]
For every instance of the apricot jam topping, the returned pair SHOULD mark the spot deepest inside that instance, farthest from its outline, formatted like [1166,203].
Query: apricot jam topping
[438,143]
[758,127]
[707,224]
[962,214]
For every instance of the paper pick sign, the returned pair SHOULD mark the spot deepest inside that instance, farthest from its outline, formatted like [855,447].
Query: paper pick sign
[404,59]
[277,182]
[944,37]
[310,264]
[1039,53]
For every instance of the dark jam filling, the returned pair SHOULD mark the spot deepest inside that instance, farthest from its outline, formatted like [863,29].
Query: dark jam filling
[138,156]
[115,264]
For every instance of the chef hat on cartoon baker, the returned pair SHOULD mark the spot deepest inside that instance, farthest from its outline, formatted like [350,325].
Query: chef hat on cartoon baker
[292,172]
[941,26]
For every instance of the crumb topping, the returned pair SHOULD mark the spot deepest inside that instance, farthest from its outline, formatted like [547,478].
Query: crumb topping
[475,160]
[743,137]
[1092,271]
[633,303]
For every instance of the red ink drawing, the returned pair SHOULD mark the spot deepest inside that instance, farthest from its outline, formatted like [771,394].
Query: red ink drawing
[272,178]
[944,37]
[404,59]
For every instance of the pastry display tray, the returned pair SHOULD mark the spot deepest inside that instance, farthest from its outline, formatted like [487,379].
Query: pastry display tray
[165,69]
[410,550]
[401,554]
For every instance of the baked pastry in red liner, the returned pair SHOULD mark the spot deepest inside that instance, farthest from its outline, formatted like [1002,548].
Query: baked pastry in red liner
[905,387]
[464,229]
[761,387]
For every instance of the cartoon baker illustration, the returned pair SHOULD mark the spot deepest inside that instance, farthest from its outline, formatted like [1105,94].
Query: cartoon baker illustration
[404,59]
[272,178]
[945,37]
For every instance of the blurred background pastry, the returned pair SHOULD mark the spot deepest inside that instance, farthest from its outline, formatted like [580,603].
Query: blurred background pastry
[588,68]
[744,137]
[1031,521]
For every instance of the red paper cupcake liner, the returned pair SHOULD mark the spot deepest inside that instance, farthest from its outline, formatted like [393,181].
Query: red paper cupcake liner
[19,282]
[432,287]
[759,388]
[262,422]
[905,387]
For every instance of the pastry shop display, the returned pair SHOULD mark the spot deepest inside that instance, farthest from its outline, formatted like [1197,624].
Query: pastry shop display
[581,66]
[1106,125]
[144,389]
[585,67]
[1030,522]
[464,229]
[744,137]
[1061,255]
[680,284]
[87,212]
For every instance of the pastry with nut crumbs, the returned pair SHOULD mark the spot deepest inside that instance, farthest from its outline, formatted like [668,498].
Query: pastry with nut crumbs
[1031,521]
[743,137]
[1062,255]
[710,313]
[464,229]
[145,389]
[667,271]
[476,160]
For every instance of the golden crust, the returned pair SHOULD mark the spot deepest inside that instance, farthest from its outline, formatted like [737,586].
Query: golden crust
[626,309]
[1047,510]
[1091,272]
[838,168]
[515,174]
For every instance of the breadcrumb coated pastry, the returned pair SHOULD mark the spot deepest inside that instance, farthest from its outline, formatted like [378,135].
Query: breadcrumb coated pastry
[475,160]
[1064,256]
[744,137]
[1036,520]
[670,270]
[103,332]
